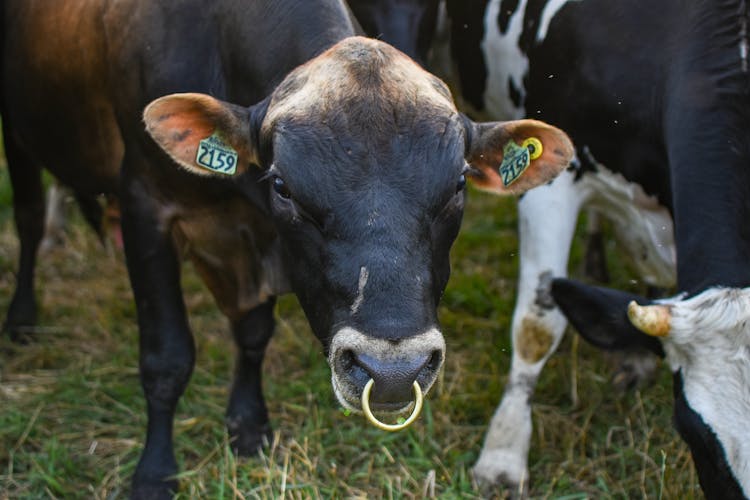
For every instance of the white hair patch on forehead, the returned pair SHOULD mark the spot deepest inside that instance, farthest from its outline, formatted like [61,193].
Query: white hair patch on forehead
[699,318]
[342,72]
[364,274]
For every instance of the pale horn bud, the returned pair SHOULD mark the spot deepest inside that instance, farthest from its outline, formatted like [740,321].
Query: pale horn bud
[651,320]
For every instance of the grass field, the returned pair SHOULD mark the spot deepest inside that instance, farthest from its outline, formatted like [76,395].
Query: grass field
[72,416]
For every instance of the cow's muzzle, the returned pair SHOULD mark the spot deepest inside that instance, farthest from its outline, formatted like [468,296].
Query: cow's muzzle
[393,366]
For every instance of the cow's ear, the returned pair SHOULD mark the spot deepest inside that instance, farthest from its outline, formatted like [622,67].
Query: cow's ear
[600,316]
[513,157]
[202,134]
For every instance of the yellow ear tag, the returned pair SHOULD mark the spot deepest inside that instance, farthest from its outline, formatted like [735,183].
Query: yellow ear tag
[216,155]
[534,146]
[517,158]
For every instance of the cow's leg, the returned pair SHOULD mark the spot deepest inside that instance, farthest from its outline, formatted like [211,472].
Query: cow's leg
[28,207]
[547,217]
[54,219]
[167,351]
[247,417]
[56,216]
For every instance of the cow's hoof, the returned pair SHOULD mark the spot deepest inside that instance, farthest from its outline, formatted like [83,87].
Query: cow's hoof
[498,474]
[20,324]
[153,490]
[154,476]
[248,441]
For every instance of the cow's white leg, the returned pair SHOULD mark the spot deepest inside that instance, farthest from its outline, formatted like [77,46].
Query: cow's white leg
[547,218]
[55,218]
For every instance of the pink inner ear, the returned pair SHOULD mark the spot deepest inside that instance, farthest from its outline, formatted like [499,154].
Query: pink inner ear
[178,124]
[185,133]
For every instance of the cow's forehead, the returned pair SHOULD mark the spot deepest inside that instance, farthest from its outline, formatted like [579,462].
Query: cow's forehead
[363,70]
[706,328]
[697,320]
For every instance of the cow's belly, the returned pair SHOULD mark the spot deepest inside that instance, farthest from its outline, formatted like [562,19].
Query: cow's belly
[84,157]
[642,226]
[240,261]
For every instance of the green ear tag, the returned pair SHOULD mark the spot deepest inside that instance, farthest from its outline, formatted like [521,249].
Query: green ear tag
[515,160]
[216,155]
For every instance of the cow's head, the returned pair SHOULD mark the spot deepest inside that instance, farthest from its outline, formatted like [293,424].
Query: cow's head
[407,24]
[366,160]
[706,340]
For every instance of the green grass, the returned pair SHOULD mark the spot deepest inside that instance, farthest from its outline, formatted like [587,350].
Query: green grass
[72,415]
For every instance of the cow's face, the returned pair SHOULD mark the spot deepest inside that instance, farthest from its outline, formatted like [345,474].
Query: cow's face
[366,161]
[706,340]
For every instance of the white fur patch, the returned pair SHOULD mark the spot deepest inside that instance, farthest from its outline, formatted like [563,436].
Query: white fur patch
[505,62]
[549,12]
[54,217]
[328,78]
[504,59]
[364,274]
[743,38]
[709,341]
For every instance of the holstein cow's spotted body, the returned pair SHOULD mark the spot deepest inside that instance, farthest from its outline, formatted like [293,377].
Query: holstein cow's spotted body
[655,97]
[343,182]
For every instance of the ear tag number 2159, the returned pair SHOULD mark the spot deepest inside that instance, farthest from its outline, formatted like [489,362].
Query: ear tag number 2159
[216,155]
[516,159]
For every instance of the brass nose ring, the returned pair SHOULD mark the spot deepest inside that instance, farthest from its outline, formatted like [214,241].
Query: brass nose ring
[391,427]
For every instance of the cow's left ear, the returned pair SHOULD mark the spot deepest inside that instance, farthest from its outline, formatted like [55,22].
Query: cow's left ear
[203,134]
[600,316]
[513,157]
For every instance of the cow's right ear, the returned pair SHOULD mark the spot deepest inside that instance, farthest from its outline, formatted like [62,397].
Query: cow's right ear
[509,158]
[202,134]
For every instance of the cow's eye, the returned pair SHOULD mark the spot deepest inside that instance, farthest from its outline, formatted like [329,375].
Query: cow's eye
[280,187]
[461,183]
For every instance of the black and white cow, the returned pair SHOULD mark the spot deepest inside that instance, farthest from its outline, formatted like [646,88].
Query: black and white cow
[655,97]
[279,153]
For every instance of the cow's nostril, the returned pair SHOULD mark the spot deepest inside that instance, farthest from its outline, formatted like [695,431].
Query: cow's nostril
[394,379]
[357,374]
[435,360]
[346,360]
